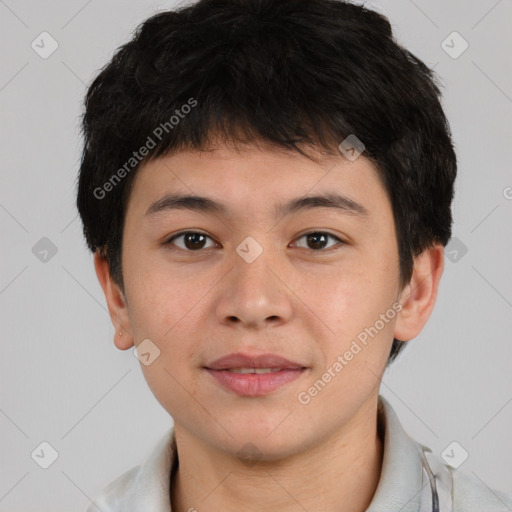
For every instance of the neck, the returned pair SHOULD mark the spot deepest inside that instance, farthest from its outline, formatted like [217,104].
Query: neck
[339,473]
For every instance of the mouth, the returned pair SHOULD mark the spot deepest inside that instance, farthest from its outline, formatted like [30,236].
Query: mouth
[247,375]
[254,370]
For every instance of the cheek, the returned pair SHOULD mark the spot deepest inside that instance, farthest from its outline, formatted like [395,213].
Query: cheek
[357,305]
[161,303]
[166,312]
[343,299]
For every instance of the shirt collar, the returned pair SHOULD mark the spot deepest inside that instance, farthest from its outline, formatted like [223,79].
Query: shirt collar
[401,481]
[399,488]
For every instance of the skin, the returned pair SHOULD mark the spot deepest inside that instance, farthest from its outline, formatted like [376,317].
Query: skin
[303,302]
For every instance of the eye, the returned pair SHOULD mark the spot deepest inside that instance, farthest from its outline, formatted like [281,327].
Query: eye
[318,239]
[193,241]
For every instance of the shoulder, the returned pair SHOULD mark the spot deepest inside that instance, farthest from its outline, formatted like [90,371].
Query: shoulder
[461,491]
[118,494]
[421,480]
[470,494]
[143,487]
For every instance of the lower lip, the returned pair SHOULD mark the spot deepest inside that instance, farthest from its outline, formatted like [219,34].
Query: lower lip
[254,384]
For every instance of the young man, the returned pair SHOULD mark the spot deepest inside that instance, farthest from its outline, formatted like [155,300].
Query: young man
[267,188]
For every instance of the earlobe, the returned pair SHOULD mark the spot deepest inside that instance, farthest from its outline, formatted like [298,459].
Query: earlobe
[116,304]
[419,296]
[123,343]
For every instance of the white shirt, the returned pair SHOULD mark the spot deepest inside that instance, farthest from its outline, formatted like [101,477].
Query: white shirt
[404,484]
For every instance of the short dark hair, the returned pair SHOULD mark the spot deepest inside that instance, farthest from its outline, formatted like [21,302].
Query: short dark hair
[291,73]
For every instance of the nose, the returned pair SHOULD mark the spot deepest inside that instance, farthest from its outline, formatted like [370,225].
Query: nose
[255,294]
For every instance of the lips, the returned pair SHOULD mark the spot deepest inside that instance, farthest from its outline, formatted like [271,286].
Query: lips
[252,376]
[238,360]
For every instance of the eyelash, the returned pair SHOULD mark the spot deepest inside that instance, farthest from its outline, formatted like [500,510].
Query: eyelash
[169,242]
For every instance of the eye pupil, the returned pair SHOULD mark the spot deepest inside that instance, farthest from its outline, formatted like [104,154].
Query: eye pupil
[192,237]
[315,238]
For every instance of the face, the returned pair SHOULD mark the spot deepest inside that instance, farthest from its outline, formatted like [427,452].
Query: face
[316,285]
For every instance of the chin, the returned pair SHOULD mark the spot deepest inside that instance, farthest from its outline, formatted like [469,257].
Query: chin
[257,445]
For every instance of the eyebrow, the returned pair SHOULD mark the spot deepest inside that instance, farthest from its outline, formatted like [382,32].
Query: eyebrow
[203,204]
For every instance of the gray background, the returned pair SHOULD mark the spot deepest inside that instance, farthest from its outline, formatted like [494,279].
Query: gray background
[62,379]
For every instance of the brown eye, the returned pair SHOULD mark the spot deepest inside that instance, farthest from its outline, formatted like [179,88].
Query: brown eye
[317,240]
[192,241]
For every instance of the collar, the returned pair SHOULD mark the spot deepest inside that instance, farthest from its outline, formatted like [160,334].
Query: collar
[401,486]
[402,481]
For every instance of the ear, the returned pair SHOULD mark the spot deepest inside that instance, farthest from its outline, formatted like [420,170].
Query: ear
[419,296]
[117,307]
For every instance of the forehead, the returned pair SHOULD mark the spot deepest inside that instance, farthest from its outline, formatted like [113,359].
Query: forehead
[226,181]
